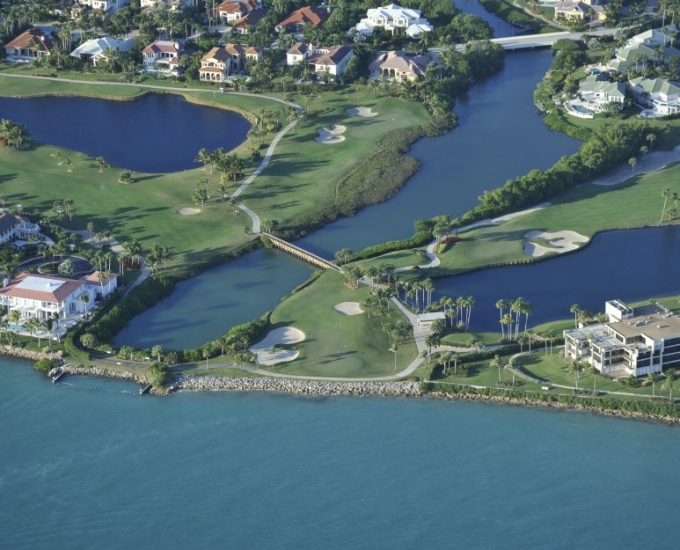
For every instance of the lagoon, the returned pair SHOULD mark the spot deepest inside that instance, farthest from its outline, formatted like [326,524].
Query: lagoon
[156,133]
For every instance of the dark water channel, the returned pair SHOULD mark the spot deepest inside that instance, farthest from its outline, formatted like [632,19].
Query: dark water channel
[157,133]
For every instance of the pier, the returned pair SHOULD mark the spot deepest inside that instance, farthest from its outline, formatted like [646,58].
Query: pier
[310,257]
[60,372]
[145,389]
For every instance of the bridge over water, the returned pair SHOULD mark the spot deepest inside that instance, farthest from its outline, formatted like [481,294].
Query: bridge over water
[530,41]
[295,250]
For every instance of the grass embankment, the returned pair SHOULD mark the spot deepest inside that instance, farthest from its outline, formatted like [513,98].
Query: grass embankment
[586,209]
[352,346]
[515,15]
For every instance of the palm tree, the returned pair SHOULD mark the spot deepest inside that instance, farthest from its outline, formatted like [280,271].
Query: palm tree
[393,349]
[85,298]
[651,379]
[101,163]
[666,194]
[497,363]
[575,367]
[501,305]
[69,164]
[157,352]
[575,309]
[668,383]
[651,138]
[432,340]
[510,365]
[632,161]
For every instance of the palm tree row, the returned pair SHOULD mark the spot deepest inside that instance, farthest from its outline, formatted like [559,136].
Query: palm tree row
[512,319]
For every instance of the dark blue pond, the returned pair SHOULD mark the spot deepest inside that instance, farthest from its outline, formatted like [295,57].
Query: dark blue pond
[156,133]
[630,265]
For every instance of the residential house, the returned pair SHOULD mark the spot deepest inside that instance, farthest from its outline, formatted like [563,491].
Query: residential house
[30,45]
[398,66]
[174,5]
[233,11]
[394,18]
[596,92]
[42,296]
[331,60]
[633,341]
[101,285]
[97,49]
[111,6]
[632,56]
[13,226]
[310,15]
[219,63]
[249,21]
[659,95]
[654,37]
[162,57]
[583,9]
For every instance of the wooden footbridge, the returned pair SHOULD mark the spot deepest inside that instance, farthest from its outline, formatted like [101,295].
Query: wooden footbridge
[310,257]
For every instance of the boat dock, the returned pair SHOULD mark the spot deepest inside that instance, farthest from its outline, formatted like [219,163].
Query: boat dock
[145,389]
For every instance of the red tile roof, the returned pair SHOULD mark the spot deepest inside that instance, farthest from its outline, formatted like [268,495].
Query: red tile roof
[34,35]
[250,19]
[312,15]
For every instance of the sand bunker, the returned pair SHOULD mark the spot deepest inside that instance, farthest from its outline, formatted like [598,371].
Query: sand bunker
[362,111]
[348,308]
[651,162]
[560,242]
[188,211]
[284,335]
[329,137]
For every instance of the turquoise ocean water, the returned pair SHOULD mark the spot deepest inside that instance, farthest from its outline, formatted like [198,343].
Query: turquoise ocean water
[104,468]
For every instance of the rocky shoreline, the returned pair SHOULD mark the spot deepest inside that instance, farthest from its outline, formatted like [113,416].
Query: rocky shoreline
[407,389]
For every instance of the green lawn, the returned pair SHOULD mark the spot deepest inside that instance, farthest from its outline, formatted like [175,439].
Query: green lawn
[336,344]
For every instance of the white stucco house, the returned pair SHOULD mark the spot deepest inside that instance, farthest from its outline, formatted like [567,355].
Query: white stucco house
[97,49]
[105,5]
[42,296]
[14,227]
[162,57]
[659,95]
[393,18]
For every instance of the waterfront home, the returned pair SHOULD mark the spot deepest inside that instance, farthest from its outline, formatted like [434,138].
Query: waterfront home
[393,18]
[249,21]
[659,95]
[13,226]
[162,57]
[219,63]
[398,66]
[310,15]
[331,60]
[654,37]
[596,92]
[105,5]
[96,50]
[30,45]
[585,9]
[42,296]
[634,341]
[233,11]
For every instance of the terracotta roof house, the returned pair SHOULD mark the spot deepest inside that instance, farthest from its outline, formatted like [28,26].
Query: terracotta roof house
[219,63]
[331,60]
[309,15]
[249,21]
[30,45]
[162,57]
[396,65]
[96,50]
[233,11]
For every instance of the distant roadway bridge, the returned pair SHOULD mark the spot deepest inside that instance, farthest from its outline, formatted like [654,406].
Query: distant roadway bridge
[531,41]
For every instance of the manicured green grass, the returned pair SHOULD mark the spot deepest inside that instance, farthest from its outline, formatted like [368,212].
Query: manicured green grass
[304,174]
[145,210]
[336,344]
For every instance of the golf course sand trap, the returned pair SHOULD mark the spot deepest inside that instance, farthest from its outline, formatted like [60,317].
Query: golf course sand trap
[188,211]
[348,308]
[283,335]
[560,242]
[329,137]
[651,162]
[362,111]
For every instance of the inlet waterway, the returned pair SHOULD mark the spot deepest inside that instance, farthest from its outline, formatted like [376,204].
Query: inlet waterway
[86,465]
[156,133]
